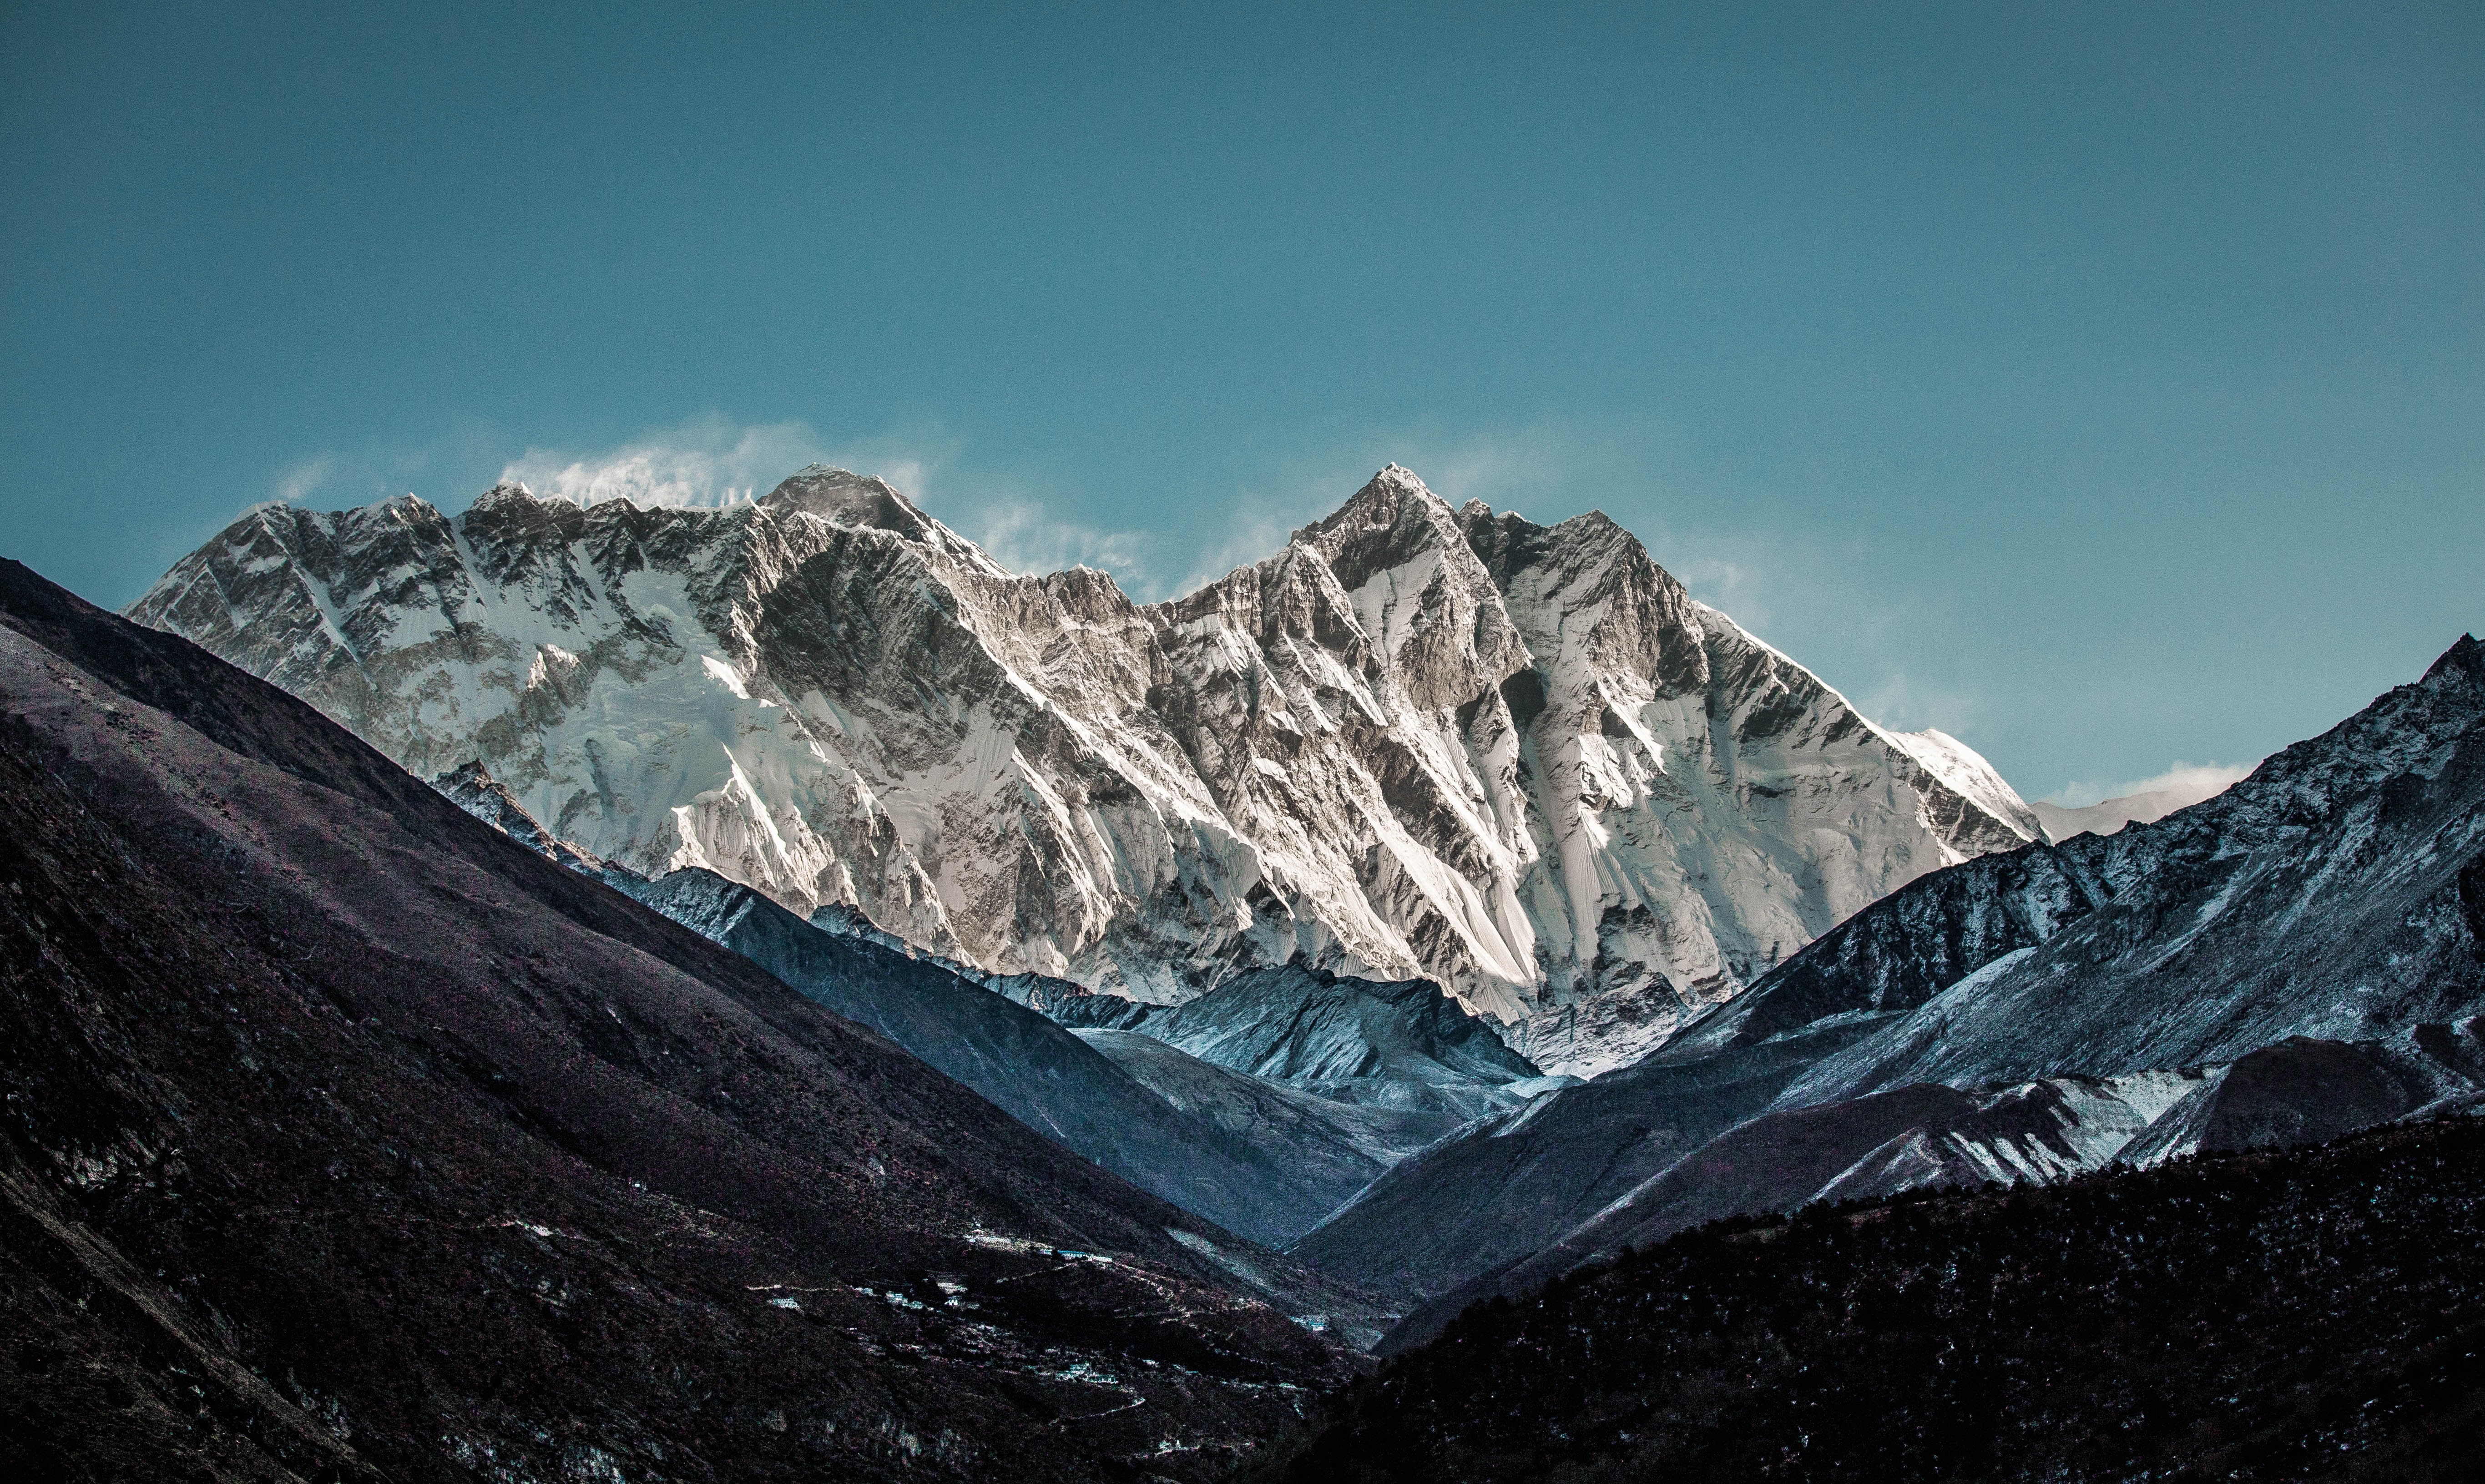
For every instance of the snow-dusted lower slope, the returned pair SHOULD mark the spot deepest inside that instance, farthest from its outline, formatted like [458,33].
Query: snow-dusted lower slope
[2337,892]
[1399,1045]
[1518,759]
[2299,956]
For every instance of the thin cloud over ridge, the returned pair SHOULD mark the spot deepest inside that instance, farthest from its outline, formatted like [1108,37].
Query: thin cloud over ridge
[706,463]
[2189,781]
[710,463]
[1025,536]
[303,477]
[1764,579]
[1548,469]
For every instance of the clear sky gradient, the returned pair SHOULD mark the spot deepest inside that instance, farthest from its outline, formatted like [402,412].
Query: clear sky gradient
[2105,385]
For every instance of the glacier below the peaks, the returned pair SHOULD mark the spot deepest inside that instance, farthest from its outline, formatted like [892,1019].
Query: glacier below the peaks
[1520,761]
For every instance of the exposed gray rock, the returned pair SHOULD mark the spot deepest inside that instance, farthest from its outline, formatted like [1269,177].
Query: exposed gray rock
[474,789]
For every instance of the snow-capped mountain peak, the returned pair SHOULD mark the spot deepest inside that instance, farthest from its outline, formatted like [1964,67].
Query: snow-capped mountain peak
[1518,759]
[850,498]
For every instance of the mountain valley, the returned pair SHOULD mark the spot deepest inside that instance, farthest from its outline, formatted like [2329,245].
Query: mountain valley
[1044,1000]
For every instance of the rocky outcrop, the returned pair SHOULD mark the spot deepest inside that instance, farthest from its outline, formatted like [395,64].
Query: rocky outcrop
[474,789]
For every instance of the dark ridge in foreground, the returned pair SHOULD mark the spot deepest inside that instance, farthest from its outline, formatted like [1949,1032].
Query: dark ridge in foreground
[2312,1314]
[344,1138]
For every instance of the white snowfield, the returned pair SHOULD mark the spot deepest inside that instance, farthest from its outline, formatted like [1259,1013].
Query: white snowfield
[1518,759]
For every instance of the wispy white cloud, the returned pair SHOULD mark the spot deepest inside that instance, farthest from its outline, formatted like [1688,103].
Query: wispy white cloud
[1540,468]
[705,462]
[303,477]
[1025,536]
[1545,471]
[712,462]
[1252,534]
[1904,700]
[2189,781]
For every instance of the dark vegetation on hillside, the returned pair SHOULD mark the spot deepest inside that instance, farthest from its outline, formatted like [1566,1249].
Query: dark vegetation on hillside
[2312,1314]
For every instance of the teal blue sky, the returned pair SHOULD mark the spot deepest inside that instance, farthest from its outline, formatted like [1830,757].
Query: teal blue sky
[2103,384]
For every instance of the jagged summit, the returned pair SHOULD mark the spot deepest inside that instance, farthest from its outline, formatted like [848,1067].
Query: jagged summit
[849,498]
[504,490]
[1516,760]
[2466,654]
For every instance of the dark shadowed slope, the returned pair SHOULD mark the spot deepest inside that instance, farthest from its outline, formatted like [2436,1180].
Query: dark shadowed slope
[1029,1067]
[1394,1044]
[2315,1316]
[345,1138]
[1257,1157]
[1507,1186]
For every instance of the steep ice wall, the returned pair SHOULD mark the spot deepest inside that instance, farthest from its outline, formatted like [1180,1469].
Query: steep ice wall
[1701,806]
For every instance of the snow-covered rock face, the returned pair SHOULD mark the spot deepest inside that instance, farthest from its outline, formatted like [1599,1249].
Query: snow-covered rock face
[1518,759]
[474,789]
[1701,806]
